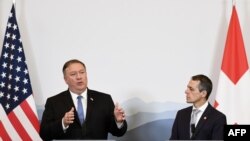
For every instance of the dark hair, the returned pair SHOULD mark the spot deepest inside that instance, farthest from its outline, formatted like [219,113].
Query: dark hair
[205,83]
[73,61]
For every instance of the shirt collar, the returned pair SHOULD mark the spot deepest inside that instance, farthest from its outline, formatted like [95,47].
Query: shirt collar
[203,107]
[74,95]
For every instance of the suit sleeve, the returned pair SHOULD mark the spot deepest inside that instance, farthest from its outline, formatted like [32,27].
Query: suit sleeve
[174,133]
[51,126]
[114,130]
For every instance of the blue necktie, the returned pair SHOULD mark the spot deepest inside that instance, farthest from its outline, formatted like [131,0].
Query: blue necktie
[80,109]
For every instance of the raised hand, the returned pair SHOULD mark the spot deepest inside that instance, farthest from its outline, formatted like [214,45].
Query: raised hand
[69,117]
[119,113]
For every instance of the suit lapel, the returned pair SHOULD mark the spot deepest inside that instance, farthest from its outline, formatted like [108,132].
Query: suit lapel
[186,124]
[203,119]
[69,101]
[90,103]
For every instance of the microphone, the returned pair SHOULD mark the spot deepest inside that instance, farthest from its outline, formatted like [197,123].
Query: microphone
[192,128]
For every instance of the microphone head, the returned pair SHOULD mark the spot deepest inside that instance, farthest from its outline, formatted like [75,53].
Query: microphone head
[192,128]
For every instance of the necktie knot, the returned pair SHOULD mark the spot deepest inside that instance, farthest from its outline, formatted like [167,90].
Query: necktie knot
[80,109]
[79,97]
[194,115]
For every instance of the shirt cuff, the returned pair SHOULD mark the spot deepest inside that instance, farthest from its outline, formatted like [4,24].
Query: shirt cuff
[64,127]
[119,124]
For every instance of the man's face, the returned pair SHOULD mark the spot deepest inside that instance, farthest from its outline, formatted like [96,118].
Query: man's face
[193,95]
[76,78]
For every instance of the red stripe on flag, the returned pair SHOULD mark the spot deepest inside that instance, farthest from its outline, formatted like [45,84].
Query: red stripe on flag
[3,134]
[234,63]
[18,127]
[30,114]
[216,104]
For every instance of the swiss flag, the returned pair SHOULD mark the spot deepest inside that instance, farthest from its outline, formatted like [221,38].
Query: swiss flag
[233,93]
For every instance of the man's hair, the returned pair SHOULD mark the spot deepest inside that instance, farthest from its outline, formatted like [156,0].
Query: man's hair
[205,83]
[73,61]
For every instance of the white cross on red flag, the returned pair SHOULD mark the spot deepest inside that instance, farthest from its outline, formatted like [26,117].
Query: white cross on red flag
[232,97]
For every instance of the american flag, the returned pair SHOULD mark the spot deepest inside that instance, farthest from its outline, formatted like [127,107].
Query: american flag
[18,115]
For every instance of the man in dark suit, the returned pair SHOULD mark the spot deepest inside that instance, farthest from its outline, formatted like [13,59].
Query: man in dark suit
[209,122]
[93,116]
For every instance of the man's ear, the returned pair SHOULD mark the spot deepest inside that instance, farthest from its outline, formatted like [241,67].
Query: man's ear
[204,93]
[66,80]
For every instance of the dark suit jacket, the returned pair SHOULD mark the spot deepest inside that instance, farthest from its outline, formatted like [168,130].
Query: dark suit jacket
[209,127]
[98,122]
